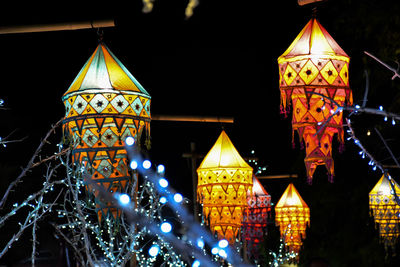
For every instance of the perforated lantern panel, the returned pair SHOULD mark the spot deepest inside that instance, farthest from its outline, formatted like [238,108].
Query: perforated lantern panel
[292,215]
[104,105]
[314,81]
[386,211]
[255,218]
[223,181]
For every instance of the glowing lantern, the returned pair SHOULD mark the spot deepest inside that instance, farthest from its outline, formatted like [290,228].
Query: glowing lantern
[386,210]
[224,179]
[292,215]
[255,217]
[104,105]
[315,65]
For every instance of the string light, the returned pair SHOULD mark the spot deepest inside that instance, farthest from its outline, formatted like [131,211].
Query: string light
[166,227]
[146,164]
[178,198]
[130,141]
[124,199]
[133,165]
[163,182]
[154,250]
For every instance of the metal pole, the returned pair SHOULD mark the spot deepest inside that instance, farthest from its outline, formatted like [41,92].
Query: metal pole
[66,26]
[279,176]
[185,118]
[194,181]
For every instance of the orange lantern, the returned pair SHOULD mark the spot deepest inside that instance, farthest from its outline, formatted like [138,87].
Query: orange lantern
[386,210]
[255,217]
[312,67]
[224,179]
[104,105]
[292,215]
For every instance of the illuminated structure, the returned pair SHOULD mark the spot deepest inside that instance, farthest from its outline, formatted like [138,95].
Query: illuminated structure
[255,217]
[292,215]
[104,105]
[224,179]
[385,210]
[314,80]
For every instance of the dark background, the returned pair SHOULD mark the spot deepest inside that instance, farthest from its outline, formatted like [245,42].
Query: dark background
[220,62]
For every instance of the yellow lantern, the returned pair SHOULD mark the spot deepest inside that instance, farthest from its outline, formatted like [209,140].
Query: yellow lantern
[104,105]
[385,210]
[223,180]
[292,215]
[315,65]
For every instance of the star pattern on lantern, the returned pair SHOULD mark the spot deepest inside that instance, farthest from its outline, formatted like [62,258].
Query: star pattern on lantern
[223,181]
[315,65]
[104,105]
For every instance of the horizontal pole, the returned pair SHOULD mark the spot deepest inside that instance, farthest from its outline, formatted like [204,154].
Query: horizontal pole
[279,176]
[185,118]
[66,26]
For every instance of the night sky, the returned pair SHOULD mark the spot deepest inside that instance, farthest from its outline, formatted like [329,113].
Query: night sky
[220,62]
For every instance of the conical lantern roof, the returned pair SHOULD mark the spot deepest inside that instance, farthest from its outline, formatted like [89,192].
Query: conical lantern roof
[313,40]
[223,155]
[383,187]
[104,72]
[291,198]
[258,189]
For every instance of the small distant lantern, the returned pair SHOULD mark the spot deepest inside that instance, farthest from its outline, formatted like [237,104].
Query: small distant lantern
[292,215]
[104,105]
[224,179]
[255,218]
[385,210]
[314,66]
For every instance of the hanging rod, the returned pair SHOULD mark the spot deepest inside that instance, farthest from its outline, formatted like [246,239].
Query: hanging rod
[64,26]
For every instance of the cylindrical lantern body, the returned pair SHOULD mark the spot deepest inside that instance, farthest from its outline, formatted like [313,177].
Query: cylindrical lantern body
[255,217]
[314,81]
[104,105]
[223,180]
[292,215]
[386,211]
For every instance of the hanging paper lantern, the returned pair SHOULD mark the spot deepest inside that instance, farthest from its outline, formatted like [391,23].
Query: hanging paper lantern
[224,179]
[255,218]
[104,105]
[386,210]
[315,65]
[292,215]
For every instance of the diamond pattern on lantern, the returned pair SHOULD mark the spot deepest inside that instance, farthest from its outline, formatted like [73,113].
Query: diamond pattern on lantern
[289,75]
[329,72]
[137,105]
[309,72]
[105,168]
[109,138]
[344,74]
[99,103]
[79,104]
[119,103]
[89,138]
[147,107]
[299,110]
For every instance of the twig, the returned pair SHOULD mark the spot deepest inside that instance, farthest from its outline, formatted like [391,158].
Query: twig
[373,162]
[29,165]
[395,72]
